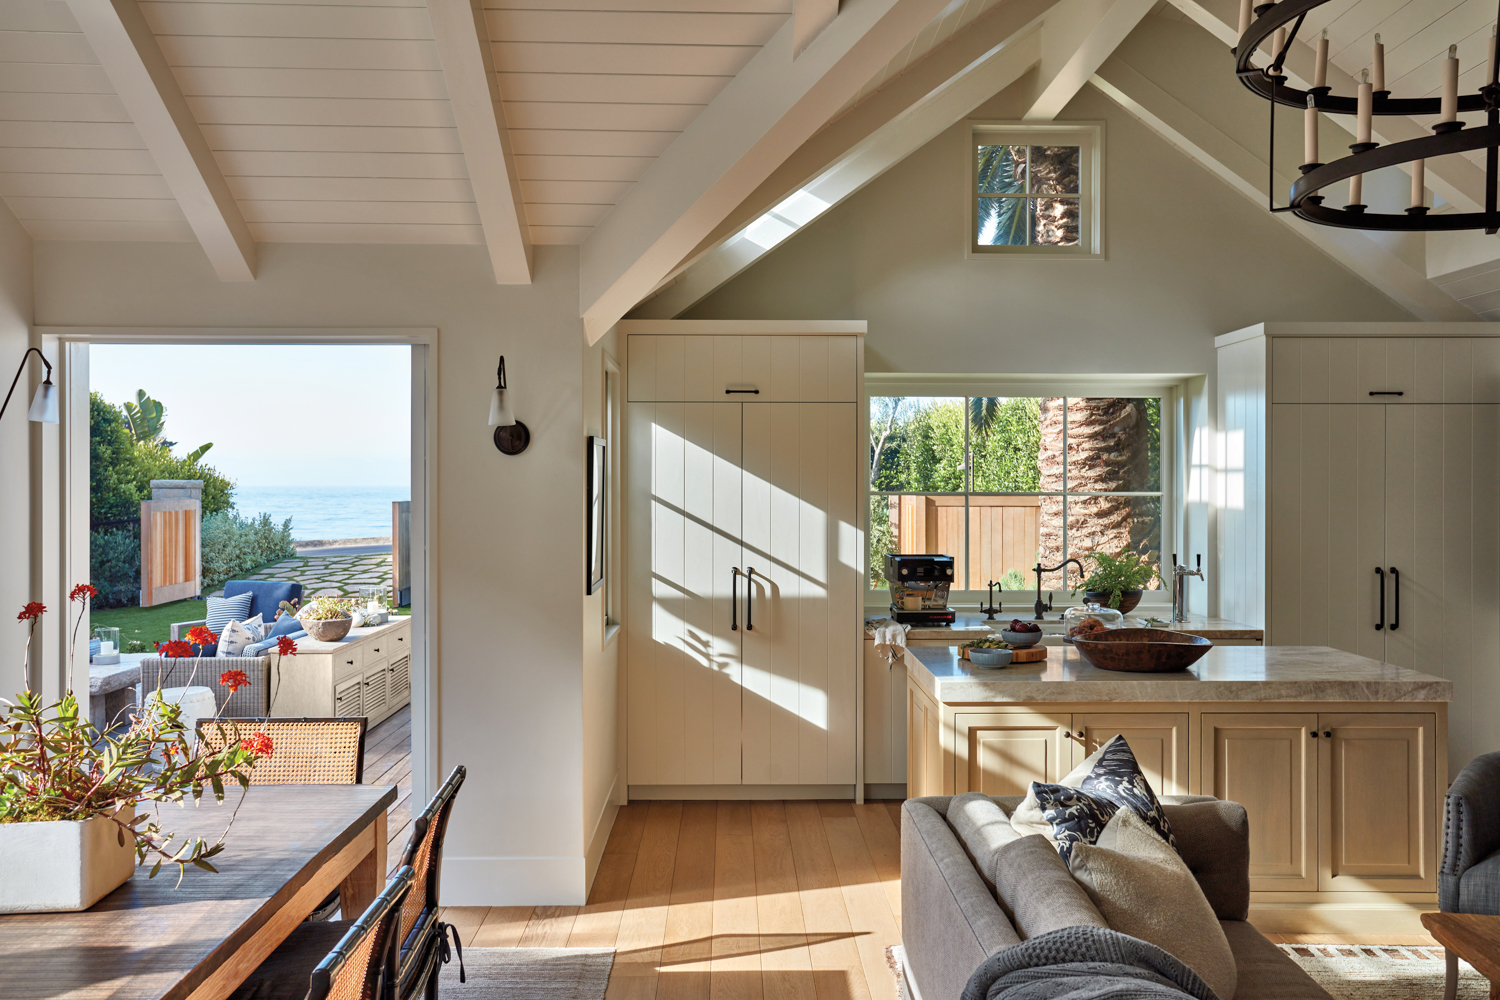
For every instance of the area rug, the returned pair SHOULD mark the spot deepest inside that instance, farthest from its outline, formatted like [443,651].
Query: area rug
[1383,972]
[529,974]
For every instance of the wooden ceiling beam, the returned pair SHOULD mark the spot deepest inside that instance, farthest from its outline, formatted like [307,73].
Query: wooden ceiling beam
[127,49]
[1077,37]
[463,43]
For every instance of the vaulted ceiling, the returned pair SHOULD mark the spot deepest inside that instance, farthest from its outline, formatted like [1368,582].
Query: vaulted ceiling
[653,133]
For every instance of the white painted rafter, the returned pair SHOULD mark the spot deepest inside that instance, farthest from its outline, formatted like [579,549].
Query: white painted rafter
[774,105]
[1244,171]
[463,43]
[1076,39]
[809,18]
[127,49]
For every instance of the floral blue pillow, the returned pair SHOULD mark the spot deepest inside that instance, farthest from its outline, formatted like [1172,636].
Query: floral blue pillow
[1116,777]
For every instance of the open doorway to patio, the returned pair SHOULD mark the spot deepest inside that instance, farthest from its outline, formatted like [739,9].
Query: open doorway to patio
[306,482]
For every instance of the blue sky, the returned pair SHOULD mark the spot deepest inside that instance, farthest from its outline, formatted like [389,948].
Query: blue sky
[277,415]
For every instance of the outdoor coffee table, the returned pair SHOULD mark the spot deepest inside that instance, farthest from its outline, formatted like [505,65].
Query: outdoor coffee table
[1473,937]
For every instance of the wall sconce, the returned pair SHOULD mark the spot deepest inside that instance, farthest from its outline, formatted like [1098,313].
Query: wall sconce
[44,404]
[511,436]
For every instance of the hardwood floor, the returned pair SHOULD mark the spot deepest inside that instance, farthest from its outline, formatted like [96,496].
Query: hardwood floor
[388,762]
[730,901]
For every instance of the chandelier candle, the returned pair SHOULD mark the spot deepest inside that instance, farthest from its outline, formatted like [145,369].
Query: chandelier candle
[1491,74]
[1245,14]
[1310,131]
[1450,86]
[1278,42]
[1320,67]
[1362,128]
[1418,183]
[1377,66]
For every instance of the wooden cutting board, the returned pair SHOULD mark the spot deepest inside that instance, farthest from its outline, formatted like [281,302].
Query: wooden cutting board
[1033,655]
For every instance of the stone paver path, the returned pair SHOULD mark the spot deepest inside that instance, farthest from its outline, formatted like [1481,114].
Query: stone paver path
[331,575]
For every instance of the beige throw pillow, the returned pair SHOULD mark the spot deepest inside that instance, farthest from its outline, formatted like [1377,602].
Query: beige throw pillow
[237,635]
[1143,888]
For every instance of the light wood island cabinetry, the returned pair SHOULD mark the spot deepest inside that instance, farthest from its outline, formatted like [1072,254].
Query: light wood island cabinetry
[367,673]
[1338,760]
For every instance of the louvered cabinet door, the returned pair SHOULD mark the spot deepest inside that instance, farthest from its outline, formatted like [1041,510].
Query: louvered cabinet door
[801,646]
[683,690]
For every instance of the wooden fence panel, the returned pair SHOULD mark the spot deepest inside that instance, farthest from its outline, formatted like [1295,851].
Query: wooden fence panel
[1004,533]
[401,552]
[171,551]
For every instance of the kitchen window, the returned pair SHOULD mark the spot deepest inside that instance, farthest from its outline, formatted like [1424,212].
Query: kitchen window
[1004,482]
[1036,190]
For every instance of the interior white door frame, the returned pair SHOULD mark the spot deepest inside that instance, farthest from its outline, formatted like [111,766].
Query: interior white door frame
[66,518]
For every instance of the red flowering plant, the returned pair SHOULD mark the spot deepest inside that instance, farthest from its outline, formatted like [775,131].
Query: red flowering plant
[56,765]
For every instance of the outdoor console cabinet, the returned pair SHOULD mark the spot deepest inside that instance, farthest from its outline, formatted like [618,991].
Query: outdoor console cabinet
[367,673]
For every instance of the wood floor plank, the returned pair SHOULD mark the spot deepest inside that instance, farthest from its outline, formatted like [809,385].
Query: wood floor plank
[630,823]
[883,841]
[894,806]
[870,913]
[735,970]
[829,808]
[688,946]
[786,966]
[549,927]
[467,919]
[837,968]
[503,927]
[598,923]
[644,921]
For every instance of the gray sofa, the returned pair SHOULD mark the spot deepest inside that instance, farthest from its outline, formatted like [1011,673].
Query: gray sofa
[951,921]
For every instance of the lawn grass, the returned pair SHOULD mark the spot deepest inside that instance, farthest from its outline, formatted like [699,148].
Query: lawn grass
[149,625]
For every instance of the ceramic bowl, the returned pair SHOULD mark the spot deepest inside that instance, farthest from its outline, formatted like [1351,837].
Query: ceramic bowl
[1142,650]
[1021,639]
[989,657]
[330,630]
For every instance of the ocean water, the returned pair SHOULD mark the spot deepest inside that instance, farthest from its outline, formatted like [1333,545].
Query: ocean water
[320,512]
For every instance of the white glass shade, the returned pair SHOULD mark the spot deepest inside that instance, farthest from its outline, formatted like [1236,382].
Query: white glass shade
[44,405]
[500,415]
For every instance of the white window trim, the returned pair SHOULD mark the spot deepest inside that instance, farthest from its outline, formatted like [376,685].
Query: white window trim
[1090,136]
[1170,388]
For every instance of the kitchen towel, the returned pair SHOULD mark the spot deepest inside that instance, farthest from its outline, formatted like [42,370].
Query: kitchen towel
[889,636]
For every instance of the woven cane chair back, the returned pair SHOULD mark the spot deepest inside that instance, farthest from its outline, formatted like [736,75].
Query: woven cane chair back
[304,751]
[362,966]
[424,853]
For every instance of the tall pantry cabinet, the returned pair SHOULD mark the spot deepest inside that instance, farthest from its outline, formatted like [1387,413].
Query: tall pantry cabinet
[745,546]
[1360,499]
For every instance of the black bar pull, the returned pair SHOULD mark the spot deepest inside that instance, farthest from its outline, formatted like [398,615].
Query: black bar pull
[1381,624]
[734,599]
[750,599]
[1396,608]
[1387,392]
[753,392]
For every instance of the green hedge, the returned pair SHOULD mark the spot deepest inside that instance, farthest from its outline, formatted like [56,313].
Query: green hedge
[233,545]
[115,567]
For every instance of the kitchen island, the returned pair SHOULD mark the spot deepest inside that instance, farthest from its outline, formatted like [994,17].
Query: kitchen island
[1339,760]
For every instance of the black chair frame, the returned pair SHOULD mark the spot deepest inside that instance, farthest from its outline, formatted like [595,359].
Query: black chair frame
[382,918]
[426,946]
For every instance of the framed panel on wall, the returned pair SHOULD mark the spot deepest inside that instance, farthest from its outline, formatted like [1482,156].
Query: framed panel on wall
[597,507]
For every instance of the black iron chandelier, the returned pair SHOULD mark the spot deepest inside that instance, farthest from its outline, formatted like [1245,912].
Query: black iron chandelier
[1280,22]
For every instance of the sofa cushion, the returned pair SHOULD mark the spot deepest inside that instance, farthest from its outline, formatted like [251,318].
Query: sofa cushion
[1064,815]
[237,635]
[982,828]
[1142,887]
[1213,838]
[1111,772]
[1265,971]
[1036,891]
[265,595]
[953,880]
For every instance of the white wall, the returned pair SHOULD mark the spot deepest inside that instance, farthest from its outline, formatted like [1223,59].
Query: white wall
[509,529]
[15,447]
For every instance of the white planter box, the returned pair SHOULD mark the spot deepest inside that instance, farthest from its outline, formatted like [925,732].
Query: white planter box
[62,866]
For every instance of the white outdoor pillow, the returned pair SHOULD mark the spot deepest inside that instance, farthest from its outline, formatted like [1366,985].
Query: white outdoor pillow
[237,635]
[1142,887]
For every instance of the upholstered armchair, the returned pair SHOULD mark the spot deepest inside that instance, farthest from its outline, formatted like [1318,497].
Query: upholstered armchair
[1469,877]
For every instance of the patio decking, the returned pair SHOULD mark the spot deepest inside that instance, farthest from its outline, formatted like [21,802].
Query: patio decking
[332,575]
[388,762]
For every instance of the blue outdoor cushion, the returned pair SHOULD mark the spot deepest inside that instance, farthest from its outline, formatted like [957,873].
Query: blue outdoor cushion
[265,595]
[268,646]
[285,625]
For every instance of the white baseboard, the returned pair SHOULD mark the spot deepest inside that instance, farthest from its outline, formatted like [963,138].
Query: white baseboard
[740,792]
[514,881]
[600,837]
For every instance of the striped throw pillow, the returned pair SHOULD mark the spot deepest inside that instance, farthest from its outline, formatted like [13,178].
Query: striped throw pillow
[223,610]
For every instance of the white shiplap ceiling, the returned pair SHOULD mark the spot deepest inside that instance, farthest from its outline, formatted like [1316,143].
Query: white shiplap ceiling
[331,123]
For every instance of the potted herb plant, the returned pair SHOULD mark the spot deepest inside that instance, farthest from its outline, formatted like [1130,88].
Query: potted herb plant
[71,796]
[327,619]
[1117,581]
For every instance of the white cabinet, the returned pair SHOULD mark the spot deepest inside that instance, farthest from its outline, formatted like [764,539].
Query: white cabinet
[1378,528]
[744,546]
[366,674]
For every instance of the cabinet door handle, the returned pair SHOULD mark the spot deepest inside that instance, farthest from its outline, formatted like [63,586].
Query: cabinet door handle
[1387,392]
[750,599]
[1327,734]
[1313,734]
[1381,624]
[752,392]
[734,599]
[1396,606]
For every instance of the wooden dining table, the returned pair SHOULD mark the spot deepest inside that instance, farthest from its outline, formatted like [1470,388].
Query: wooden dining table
[156,939]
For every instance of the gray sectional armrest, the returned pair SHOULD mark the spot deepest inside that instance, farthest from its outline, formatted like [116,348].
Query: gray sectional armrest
[1213,838]
[1471,825]
[181,629]
[949,921]
[203,671]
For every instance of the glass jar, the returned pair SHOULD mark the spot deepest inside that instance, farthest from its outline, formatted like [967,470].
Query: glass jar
[372,598]
[109,645]
[1090,617]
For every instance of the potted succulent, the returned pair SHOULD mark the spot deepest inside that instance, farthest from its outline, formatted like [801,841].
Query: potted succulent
[327,619]
[1117,581]
[72,797]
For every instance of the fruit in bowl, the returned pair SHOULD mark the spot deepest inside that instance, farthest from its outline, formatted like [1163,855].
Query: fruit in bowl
[1087,627]
[1022,633]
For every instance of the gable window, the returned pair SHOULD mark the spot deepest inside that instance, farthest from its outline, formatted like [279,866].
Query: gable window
[1036,190]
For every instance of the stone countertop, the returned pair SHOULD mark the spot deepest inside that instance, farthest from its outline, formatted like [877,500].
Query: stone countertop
[311,645]
[1226,673]
[971,625]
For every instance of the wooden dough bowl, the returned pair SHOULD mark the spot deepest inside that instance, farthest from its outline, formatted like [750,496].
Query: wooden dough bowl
[1142,650]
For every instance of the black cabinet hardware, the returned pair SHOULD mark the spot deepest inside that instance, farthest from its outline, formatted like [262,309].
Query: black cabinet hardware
[734,599]
[750,599]
[1327,734]
[753,392]
[1396,608]
[1387,392]
[1313,734]
[1381,624]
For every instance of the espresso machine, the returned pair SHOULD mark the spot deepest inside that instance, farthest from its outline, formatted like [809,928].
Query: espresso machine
[919,588]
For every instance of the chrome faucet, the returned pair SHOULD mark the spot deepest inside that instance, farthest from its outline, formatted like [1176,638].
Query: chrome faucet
[1180,573]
